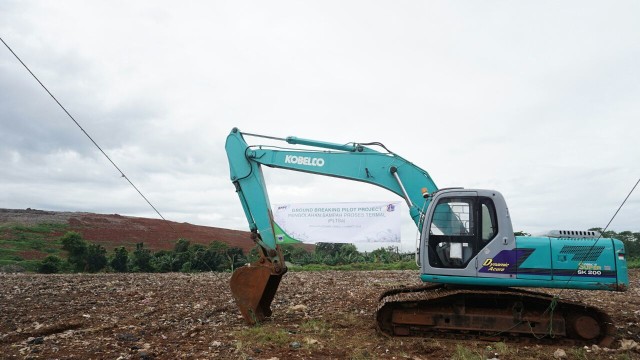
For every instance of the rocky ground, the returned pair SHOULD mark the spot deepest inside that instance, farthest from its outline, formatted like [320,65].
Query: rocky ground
[317,315]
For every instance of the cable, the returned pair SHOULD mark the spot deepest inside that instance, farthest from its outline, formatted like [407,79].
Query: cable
[620,207]
[601,233]
[87,134]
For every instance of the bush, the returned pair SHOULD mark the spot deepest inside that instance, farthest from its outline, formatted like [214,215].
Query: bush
[51,265]
[73,243]
[141,259]
[120,259]
[95,258]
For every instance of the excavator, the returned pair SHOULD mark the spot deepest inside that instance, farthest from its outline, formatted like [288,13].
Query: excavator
[473,266]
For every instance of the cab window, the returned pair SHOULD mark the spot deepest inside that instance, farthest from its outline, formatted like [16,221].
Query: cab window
[460,227]
[489,220]
[453,217]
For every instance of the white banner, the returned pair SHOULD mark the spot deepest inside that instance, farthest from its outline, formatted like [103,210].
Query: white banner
[367,222]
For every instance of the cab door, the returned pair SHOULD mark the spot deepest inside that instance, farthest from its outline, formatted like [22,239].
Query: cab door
[451,235]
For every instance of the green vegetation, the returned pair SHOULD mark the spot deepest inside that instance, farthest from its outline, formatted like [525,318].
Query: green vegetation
[20,245]
[465,353]
[51,265]
[50,248]
[633,263]
[631,242]
[316,327]
[332,256]
[83,256]
[263,334]
[120,259]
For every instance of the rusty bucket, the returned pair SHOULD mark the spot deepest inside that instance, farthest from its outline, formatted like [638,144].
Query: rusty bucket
[253,287]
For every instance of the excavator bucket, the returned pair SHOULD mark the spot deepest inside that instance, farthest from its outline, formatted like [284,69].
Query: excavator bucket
[253,288]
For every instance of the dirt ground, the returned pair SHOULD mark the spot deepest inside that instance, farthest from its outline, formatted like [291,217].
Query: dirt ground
[317,315]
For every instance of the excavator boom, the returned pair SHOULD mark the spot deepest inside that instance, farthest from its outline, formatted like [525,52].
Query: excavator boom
[254,286]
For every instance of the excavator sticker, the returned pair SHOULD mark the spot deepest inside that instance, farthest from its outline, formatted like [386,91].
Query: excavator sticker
[495,266]
[303,160]
[510,262]
[506,261]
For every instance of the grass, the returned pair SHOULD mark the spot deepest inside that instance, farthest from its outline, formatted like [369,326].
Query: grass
[37,240]
[633,263]
[28,265]
[465,353]
[361,354]
[577,353]
[316,327]
[261,335]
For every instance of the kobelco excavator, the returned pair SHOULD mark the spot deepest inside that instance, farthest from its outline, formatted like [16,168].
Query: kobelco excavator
[467,250]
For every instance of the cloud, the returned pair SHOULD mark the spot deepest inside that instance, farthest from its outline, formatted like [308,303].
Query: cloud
[537,100]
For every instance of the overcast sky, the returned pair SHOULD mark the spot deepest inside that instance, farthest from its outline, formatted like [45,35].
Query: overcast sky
[539,100]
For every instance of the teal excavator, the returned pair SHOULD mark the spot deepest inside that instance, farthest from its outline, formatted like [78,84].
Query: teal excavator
[474,266]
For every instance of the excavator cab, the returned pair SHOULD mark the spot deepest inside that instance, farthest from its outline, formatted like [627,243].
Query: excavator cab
[461,223]
[467,239]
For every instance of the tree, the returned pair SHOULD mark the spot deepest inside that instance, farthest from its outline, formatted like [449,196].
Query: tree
[200,258]
[385,255]
[95,258]
[73,243]
[120,259]
[235,258]
[295,254]
[181,246]
[348,254]
[51,265]
[162,261]
[141,259]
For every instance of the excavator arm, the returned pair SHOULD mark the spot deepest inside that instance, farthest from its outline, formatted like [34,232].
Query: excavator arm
[255,285]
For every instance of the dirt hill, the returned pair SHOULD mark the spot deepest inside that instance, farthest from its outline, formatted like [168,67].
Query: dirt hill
[112,230]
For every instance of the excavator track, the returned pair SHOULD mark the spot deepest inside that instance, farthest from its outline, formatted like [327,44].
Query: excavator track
[491,314]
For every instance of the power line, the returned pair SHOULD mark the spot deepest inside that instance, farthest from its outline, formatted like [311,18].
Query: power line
[87,134]
[601,234]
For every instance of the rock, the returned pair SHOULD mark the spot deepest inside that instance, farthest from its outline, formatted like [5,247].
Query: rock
[311,341]
[295,345]
[36,341]
[144,354]
[298,307]
[126,337]
[560,354]
[215,344]
[626,344]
